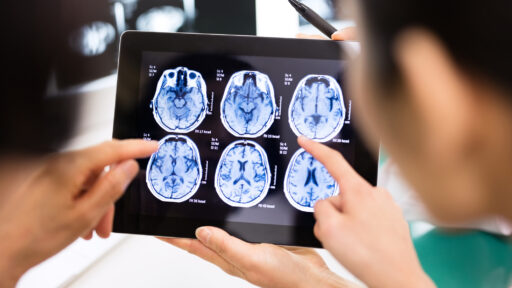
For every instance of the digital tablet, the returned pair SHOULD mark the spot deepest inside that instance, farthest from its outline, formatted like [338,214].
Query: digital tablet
[227,111]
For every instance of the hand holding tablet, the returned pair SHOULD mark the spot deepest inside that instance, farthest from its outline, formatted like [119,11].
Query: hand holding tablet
[227,111]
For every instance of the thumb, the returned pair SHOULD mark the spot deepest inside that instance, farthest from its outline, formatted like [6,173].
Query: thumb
[328,220]
[234,250]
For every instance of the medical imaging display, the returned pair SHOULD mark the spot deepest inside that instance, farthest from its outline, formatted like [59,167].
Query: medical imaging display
[89,32]
[180,100]
[242,177]
[228,126]
[307,181]
[174,172]
[317,109]
[248,106]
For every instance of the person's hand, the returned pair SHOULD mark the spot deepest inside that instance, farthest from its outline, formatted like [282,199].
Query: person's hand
[363,228]
[346,34]
[48,205]
[263,265]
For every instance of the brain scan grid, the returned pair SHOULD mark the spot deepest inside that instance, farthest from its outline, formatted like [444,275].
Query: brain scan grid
[242,178]
[307,181]
[174,172]
[180,100]
[317,109]
[248,106]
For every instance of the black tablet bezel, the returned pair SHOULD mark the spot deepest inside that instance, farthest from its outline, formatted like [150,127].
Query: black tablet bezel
[133,43]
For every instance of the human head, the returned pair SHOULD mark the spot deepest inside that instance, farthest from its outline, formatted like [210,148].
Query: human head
[434,82]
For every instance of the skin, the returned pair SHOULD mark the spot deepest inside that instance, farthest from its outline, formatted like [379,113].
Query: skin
[59,198]
[347,225]
[458,128]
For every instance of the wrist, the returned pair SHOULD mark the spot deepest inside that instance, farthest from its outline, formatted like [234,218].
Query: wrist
[422,281]
[10,268]
[10,272]
[416,280]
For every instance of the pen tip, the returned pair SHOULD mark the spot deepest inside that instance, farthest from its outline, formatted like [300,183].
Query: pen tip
[296,4]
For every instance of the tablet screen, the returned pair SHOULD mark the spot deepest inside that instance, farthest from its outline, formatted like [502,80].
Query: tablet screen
[228,127]
[228,130]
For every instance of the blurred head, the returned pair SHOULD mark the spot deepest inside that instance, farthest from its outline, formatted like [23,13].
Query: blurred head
[434,82]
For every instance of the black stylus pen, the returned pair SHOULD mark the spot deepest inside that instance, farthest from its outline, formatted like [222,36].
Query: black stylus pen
[313,18]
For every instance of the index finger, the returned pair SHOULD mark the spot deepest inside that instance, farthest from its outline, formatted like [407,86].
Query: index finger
[334,162]
[311,36]
[347,34]
[115,151]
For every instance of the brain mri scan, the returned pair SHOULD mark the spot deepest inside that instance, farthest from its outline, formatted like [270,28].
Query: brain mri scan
[92,39]
[174,172]
[307,181]
[317,110]
[180,101]
[242,178]
[248,106]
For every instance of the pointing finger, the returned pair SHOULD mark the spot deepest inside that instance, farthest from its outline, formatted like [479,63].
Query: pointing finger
[108,189]
[335,163]
[112,152]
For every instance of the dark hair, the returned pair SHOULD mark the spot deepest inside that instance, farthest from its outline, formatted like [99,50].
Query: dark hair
[476,33]
[29,120]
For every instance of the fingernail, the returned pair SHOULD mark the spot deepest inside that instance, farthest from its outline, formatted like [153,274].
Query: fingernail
[304,139]
[203,234]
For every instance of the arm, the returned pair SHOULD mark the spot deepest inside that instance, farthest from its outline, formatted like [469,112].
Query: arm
[60,199]
[363,228]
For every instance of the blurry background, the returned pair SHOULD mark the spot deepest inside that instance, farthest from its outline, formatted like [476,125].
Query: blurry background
[337,12]
[89,34]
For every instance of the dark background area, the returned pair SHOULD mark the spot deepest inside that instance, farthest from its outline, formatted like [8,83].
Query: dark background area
[226,17]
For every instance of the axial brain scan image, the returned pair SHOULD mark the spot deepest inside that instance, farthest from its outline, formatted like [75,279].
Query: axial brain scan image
[174,172]
[317,110]
[242,178]
[307,181]
[180,100]
[248,106]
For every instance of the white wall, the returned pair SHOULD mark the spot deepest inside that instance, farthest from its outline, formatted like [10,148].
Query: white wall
[276,18]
